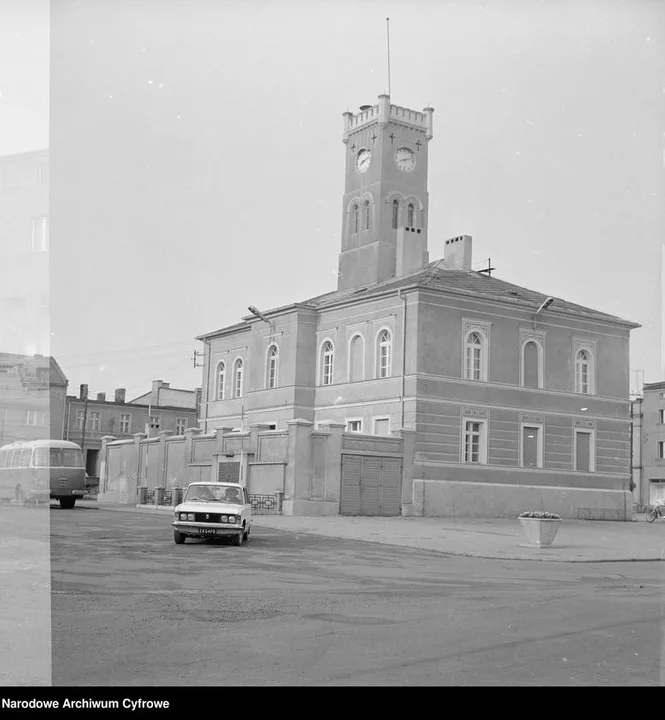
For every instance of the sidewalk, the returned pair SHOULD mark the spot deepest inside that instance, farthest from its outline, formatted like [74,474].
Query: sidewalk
[501,539]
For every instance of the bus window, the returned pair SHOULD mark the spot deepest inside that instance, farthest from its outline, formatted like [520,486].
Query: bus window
[25,457]
[55,457]
[44,456]
[16,458]
[3,458]
[72,458]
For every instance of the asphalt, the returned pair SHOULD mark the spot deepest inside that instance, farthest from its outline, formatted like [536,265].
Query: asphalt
[494,538]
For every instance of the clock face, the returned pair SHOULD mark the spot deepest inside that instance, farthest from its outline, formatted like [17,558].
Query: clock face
[363,159]
[405,159]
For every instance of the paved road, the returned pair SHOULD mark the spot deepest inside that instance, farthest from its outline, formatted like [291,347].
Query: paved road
[129,607]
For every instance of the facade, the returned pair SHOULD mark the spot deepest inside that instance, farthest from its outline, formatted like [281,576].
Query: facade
[651,459]
[24,244]
[88,420]
[163,394]
[516,400]
[32,398]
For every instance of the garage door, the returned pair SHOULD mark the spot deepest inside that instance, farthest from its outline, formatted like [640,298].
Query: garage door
[371,485]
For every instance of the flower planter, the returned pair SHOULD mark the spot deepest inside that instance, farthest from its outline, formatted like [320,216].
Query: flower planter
[540,532]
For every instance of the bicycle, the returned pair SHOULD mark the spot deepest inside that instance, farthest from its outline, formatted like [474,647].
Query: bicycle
[656,512]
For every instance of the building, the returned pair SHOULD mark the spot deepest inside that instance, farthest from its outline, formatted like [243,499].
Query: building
[24,240]
[651,459]
[88,420]
[516,399]
[640,490]
[32,398]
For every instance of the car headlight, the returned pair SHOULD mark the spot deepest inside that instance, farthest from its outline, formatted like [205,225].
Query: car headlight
[232,518]
[190,516]
[224,518]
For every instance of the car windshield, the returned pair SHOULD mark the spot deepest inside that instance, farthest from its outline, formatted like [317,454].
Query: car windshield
[214,493]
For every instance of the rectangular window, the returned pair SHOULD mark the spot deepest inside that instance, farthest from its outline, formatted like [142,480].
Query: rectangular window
[661,450]
[34,418]
[95,421]
[180,426]
[382,426]
[475,441]
[661,417]
[125,423]
[354,425]
[25,457]
[531,447]
[155,422]
[80,414]
[39,234]
[583,451]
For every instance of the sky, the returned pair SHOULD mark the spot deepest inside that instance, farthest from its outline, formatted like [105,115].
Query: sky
[197,164]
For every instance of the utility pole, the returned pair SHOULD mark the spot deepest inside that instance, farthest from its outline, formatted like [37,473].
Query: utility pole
[85,418]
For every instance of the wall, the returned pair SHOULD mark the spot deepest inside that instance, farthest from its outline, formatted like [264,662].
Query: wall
[653,432]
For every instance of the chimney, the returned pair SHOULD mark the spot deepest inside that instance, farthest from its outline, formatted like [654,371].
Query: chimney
[101,397]
[83,392]
[457,252]
[120,396]
[157,385]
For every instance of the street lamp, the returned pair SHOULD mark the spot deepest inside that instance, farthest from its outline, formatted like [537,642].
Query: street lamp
[544,305]
[259,315]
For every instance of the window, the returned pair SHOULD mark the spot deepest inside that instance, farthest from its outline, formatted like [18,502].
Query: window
[72,458]
[16,458]
[395,213]
[531,446]
[661,450]
[327,357]
[155,422]
[221,375]
[34,418]
[583,372]
[125,423]
[356,358]
[410,216]
[474,356]
[366,214]
[583,451]
[39,234]
[661,417]
[354,425]
[25,457]
[180,426]
[237,379]
[80,415]
[355,220]
[385,354]
[382,426]
[272,366]
[48,457]
[474,441]
[95,421]
[531,365]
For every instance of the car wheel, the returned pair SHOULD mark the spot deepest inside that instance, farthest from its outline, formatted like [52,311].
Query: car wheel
[238,539]
[67,503]
[178,537]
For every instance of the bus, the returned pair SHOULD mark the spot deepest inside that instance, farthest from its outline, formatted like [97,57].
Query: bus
[41,469]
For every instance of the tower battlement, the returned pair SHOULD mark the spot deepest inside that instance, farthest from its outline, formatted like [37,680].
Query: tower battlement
[384,112]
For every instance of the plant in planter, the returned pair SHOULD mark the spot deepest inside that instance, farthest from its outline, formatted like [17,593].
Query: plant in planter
[540,526]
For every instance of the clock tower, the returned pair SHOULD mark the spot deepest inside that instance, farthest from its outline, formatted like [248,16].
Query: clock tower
[384,228]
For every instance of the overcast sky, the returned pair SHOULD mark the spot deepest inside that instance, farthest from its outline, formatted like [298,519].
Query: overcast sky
[198,167]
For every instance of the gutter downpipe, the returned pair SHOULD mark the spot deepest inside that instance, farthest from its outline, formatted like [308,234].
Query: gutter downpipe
[403,298]
[207,388]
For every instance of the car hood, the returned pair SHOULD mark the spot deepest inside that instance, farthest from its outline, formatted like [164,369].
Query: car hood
[209,507]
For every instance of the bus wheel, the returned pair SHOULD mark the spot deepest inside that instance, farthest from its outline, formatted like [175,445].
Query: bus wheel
[67,503]
[19,495]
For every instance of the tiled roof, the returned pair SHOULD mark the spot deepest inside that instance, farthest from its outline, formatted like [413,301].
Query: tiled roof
[442,277]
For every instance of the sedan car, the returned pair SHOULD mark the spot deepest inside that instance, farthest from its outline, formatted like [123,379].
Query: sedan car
[212,509]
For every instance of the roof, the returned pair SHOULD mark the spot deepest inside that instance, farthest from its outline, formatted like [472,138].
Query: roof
[27,365]
[43,443]
[654,386]
[441,276]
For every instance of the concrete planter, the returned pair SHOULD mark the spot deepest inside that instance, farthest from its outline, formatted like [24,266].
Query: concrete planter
[540,532]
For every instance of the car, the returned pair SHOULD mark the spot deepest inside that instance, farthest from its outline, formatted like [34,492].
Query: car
[212,510]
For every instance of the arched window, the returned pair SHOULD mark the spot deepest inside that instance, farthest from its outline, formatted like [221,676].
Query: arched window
[395,213]
[385,353]
[327,356]
[355,220]
[583,372]
[273,357]
[474,356]
[410,216]
[356,358]
[366,214]
[221,376]
[237,379]
[531,365]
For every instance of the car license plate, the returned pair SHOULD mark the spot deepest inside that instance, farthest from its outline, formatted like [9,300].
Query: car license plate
[208,531]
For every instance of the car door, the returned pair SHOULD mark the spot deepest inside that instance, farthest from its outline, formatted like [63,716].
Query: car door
[247,509]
